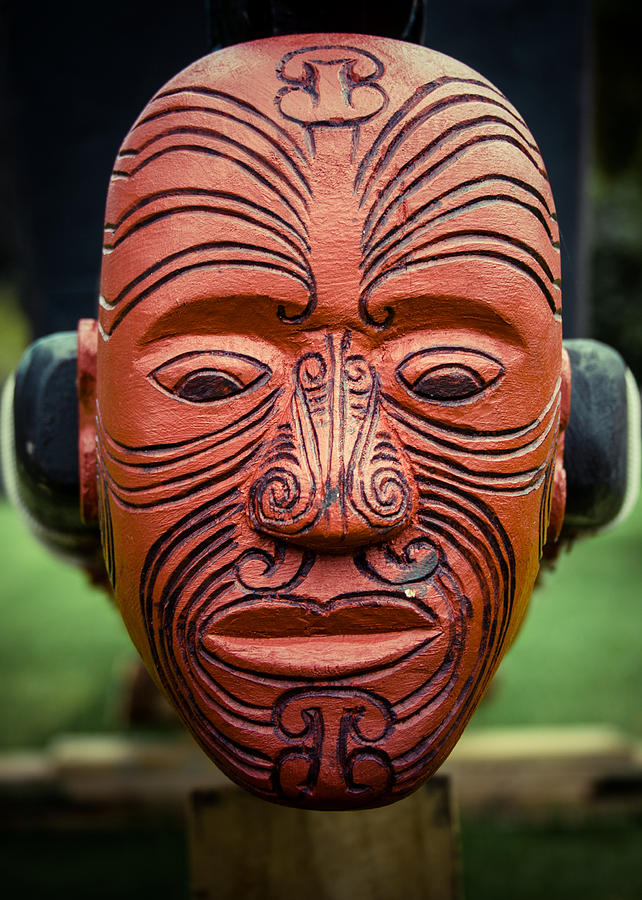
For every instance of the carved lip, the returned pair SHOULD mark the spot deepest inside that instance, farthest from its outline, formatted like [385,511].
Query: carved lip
[288,637]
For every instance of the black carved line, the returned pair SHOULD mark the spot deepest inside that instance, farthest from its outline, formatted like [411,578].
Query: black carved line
[307,75]
[413,101]
[348,760]
[448,528]
[235,457]
[273,562]
[488,535]
[216,195]
[205,519]
[437,691]
[427,174]
[545,504]
[482,233]
[481,516]
[202,247]
[462,475]
[371,246]
[421,118]
[106,528]
[363,674]
[212,544]
[210,210]
[255,264]
[512,261]
[181,450]
[309,741]
[189,577]
[208,110]
[186,627]
[194,486]
[401,237]
[497,452]
[468,433]
[239,458]
[242,105]
[210,151]
[413,761]
[455,130]
[200,131]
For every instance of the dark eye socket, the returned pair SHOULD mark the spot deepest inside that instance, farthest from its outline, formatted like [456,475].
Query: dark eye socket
[207,376]
[448,383]
[206,385]
[448,374]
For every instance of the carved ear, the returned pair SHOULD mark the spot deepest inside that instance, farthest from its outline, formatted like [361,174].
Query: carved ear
[87,461]
[602,442]
[39,434]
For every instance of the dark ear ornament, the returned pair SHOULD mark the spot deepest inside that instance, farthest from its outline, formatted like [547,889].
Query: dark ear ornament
[602,441]
[40,448]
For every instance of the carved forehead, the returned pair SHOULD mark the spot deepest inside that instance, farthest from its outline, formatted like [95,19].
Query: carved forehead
[235,158]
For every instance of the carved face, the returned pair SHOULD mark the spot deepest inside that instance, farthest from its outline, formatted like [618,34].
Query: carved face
[329,382]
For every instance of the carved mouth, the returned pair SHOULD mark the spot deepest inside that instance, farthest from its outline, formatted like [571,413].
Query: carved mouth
[293,637]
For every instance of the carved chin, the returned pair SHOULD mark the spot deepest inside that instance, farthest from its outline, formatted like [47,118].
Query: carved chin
[336,704]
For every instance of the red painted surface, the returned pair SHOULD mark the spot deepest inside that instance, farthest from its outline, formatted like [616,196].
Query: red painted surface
[87,347]
[328,404]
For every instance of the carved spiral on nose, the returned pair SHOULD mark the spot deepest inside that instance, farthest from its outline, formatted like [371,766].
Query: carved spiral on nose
[386,495]
[275,496]
[358,373]
[311,371]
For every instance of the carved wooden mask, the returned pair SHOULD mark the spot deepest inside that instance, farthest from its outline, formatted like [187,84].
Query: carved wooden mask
[329,401]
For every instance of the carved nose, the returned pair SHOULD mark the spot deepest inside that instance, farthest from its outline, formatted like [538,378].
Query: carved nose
[334,477]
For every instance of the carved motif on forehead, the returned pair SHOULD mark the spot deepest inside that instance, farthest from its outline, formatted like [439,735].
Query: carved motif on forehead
[333,86]
[447,176]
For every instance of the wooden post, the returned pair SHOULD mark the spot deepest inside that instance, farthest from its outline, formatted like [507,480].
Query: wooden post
[244,848]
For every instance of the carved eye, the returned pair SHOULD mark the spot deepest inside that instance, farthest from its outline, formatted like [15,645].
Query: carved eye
[210,375]
[448,374]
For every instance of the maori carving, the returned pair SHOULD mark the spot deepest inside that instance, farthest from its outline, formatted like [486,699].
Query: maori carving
[333,85]
[334,737]
[330,404]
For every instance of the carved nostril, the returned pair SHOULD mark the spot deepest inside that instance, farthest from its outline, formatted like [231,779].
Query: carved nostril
[417,561]
[376,485]
[283,500]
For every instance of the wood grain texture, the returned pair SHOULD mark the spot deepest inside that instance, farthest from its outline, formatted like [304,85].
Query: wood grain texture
[240,847]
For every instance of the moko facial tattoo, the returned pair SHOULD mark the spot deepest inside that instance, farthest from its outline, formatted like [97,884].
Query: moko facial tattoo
[329,397]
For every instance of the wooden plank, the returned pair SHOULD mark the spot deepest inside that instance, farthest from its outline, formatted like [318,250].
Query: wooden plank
[242,847]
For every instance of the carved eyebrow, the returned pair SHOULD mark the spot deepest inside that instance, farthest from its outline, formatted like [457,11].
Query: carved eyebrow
[478,314]
[212,254]
[200,314]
